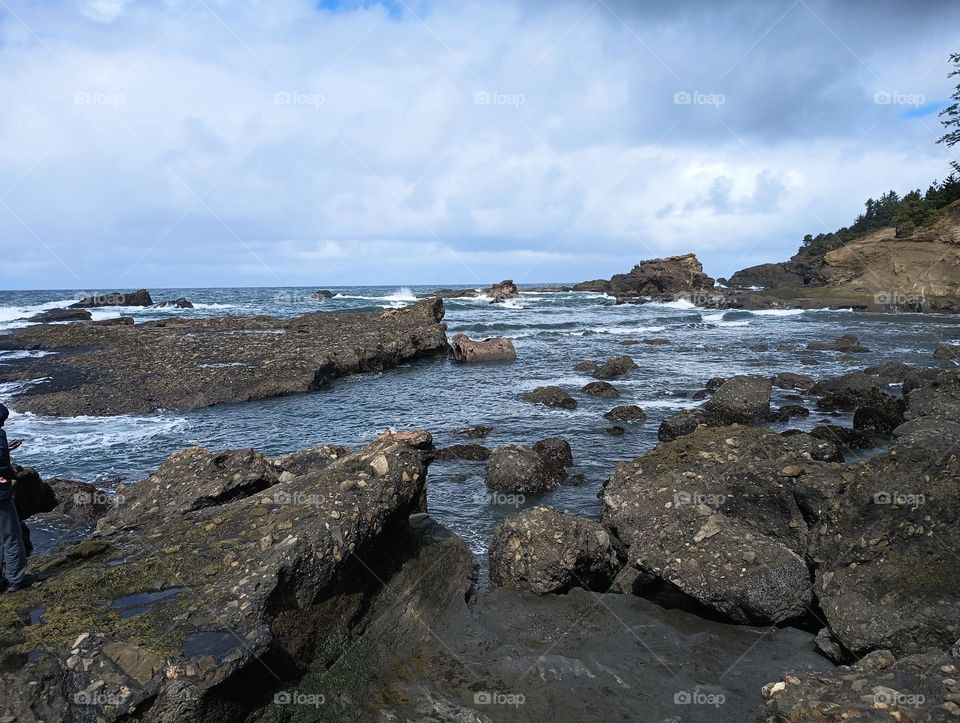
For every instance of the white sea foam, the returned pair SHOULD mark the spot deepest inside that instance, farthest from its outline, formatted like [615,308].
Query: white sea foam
[58,435]
[402,294]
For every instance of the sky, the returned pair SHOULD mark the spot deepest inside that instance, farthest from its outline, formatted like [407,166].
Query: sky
[186,143]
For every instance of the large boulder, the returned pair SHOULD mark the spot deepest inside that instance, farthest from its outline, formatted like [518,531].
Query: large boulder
[495,349]
[519,469]
[545,551]
[173,616]
[140,297]
[725,516]
[886,553]
[614,368]
[741,399]
[551,396]
[660,279]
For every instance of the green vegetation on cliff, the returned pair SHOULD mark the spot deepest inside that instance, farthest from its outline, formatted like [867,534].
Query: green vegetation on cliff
[913,211]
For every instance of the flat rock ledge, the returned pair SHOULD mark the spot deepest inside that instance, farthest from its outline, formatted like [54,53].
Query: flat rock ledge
[181,364]
[227,577]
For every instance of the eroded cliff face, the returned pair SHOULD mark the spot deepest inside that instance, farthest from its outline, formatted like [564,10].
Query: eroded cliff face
[875,264]
[918,264]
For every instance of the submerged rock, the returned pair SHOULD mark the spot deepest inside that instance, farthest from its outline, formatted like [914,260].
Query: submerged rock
[947,351]
[545,551]
[848,343]
[471,452]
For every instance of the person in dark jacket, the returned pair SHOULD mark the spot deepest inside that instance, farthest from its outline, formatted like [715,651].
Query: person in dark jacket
[13,552]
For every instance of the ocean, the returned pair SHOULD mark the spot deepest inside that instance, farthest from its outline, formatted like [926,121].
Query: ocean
[551,331]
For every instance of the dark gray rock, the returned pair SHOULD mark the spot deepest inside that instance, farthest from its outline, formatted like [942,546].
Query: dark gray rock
[551,397]
[616,367]
[545,551]
[601,389]
[116,298]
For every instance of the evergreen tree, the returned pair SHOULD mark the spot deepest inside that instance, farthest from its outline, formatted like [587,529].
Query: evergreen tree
[950,116]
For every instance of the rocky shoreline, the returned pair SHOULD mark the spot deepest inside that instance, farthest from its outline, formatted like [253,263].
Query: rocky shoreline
[101,368]
[230,582]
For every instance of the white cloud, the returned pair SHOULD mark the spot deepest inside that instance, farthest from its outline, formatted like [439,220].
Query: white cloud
[183,146]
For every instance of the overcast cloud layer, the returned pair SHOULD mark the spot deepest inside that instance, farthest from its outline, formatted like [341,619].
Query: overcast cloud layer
[236,142]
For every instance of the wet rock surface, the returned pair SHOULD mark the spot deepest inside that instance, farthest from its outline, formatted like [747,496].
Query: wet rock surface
[116,298]
[587,656]
[915,688]
[724,516]
[551,396]
[521,469]
[464,349]
[277,577]
[614,368]
[545,551]
[181,364]
[604,390]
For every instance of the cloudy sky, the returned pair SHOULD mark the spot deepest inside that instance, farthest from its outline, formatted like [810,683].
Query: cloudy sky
[287,142]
